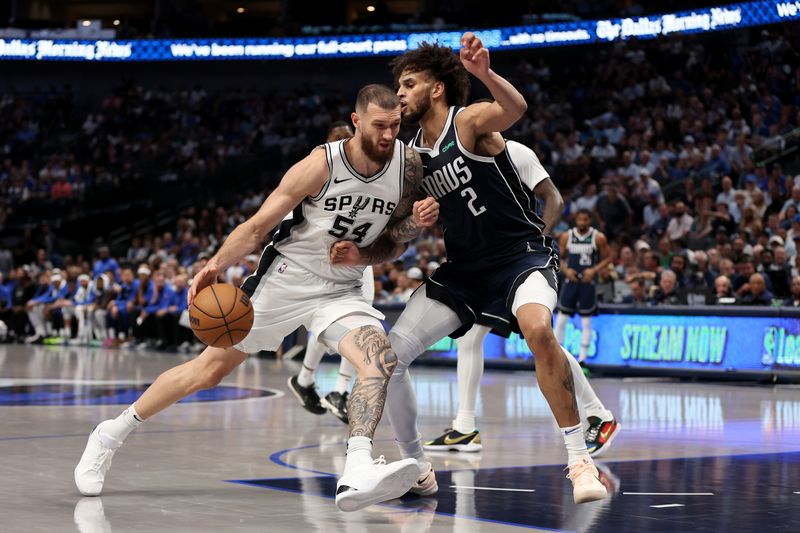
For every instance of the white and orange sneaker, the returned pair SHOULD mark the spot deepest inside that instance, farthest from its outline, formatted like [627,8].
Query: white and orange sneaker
[586,485]
[426,484]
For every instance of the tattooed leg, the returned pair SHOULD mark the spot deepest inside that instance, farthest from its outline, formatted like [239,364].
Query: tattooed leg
[368,349]
[552,368]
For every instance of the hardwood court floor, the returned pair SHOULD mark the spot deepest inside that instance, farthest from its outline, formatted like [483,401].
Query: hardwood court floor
[246,457]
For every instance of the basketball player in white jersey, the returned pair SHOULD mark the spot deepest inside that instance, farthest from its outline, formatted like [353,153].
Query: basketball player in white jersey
[303,385]
[364,190]
[463,435]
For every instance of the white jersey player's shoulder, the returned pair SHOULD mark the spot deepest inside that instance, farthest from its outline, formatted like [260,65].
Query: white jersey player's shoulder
[527,164]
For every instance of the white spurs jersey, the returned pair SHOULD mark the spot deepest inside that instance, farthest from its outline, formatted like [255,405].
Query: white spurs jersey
[349,207]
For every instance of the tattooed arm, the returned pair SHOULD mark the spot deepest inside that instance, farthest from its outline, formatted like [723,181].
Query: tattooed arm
[414,212]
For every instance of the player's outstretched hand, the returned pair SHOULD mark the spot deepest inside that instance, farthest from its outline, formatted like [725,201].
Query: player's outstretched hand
[345,253]
[426,212]
[474,56]
[207,276]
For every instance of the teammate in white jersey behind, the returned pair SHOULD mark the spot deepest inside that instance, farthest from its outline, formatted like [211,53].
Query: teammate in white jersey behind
[365,190]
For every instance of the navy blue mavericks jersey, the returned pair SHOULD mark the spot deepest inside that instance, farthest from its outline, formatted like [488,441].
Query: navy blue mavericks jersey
[582,250]
[488,215]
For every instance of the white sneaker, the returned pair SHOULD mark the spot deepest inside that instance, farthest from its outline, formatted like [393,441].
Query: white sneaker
[374,483]
[426,484]
[90,474]
[586,485]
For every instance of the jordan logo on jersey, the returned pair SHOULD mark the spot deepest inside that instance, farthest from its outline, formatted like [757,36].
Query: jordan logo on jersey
[447,179]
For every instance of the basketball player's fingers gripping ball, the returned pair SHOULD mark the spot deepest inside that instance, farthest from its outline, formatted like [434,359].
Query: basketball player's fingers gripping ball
[221,315]
[204,278]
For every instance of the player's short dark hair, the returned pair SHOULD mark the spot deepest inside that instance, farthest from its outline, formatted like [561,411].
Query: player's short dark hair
[584,211]
[377,94]
[339,124]
[442,64]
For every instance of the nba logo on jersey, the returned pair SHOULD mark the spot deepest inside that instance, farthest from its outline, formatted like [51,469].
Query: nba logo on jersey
[282,268]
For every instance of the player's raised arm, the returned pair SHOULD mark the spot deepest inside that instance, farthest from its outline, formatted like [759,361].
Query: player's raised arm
[414,212]
[509,104]
[304,178]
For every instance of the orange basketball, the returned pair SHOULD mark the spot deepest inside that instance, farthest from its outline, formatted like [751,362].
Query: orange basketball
[221,315]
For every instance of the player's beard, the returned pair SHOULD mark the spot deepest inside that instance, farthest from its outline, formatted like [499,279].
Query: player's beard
[413,117]
[373,152]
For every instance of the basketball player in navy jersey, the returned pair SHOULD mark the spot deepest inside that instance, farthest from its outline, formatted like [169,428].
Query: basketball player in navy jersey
[501,268]
[463,434]
[584,253]
[365,189]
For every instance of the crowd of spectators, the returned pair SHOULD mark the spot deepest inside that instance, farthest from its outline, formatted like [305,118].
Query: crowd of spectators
[677,146]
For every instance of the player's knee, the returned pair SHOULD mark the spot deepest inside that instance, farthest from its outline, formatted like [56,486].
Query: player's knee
[379,365]
[536,334]
[388,362]
[209,376]
[406,347]
[209,372]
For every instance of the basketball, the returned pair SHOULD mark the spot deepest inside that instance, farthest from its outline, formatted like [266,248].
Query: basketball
[221,315]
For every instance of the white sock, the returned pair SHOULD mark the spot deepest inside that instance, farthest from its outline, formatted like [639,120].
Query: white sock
[561,326]
[586,337]
[359,452]
[315,351]
[306,377]
[343,381]
[465,422]
[470,372]
[576,445]
[118,429]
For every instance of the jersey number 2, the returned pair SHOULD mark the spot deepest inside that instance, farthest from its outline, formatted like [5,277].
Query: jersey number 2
[469,191]
[343,224]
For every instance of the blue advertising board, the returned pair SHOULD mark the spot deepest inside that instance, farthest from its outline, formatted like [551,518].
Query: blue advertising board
[712,342]
[699,20]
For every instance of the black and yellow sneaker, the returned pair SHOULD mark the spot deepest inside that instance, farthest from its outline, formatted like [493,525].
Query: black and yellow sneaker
[453,441]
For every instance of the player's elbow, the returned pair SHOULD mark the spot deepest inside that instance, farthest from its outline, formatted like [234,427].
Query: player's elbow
[514,109]
[519,109]
[557,200]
